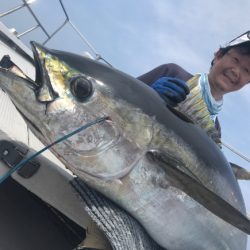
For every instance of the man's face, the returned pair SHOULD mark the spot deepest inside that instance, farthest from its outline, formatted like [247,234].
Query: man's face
[229,72]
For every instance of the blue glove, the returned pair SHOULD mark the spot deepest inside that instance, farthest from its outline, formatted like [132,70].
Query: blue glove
[172,90]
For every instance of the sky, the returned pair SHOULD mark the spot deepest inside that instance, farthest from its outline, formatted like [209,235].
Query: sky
[137,36]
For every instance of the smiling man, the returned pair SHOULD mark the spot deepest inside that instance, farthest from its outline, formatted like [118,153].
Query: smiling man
[230,71]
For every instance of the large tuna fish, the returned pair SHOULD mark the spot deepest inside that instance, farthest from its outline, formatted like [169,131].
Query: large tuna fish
[164,171]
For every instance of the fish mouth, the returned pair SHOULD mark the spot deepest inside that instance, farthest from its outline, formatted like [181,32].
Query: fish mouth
[45,92]
[42,80]
[37,61]
[13,84]
[8,67]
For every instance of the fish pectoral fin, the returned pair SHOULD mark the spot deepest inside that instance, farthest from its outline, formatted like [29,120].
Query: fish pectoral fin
[196,190]
[240,172]
[181,115]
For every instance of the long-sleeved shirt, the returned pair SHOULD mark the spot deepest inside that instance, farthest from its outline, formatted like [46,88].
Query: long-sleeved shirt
[171,70]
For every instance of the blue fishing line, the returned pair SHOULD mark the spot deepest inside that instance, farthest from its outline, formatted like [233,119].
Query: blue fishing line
[23,162]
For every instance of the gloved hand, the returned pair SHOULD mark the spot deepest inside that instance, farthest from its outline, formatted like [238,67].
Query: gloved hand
[172,90]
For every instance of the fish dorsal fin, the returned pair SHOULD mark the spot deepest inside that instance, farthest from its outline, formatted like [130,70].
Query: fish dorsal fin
[240,172]
[181,115]
[196,190]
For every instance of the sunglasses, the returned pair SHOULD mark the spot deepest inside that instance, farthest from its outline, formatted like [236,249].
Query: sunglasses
[245,37]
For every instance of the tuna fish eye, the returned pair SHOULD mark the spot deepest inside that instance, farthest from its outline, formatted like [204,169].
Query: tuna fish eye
[81,88]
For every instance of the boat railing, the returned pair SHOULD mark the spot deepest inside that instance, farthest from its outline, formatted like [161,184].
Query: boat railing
[49,36]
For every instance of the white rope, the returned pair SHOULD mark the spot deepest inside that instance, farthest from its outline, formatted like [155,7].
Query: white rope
[235,151]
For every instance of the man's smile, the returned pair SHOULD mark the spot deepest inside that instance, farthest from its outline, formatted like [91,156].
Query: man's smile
[231,78]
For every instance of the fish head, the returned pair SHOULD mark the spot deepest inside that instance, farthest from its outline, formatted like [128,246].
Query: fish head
[72,90]
[58,82]
[77,90]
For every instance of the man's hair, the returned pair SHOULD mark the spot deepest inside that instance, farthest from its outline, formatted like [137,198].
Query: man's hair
[243,49]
